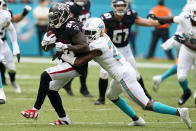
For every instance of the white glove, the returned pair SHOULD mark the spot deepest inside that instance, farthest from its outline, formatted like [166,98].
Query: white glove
[47,40]
[60,46]
[26,10]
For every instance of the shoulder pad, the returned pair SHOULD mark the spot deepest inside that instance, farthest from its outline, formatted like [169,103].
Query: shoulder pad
[106,16]
[73,25]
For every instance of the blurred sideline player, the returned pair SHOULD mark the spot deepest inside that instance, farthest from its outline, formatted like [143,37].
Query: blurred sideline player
[66,34]
[5,23]
[7,51]
[118,24]
[80,9]
[103,51]
[173,70]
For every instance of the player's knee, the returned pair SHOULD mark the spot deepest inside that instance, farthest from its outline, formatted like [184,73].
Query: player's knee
[45,77]
[182,78]
[103,75]
[11,71]
[111,97]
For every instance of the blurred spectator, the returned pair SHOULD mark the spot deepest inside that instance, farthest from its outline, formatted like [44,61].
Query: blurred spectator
[26,1]
[160,31]
[12,1]
[41,15]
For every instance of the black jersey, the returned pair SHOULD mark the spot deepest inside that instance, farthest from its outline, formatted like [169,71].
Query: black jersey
[65,33]
[80,12]
[119,31]
[3,30]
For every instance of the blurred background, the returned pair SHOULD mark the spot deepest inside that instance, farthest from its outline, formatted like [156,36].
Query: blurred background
[28,36]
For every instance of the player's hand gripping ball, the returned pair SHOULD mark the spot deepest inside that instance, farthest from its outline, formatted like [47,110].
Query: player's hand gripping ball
[48,42]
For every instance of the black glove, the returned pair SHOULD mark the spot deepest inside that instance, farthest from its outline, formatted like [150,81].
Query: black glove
[179,38]
[57,55]
[18,57]
[152,16]
[26,10]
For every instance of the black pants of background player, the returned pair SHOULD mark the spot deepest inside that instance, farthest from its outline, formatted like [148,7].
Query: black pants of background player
[41,31]
[83,89]
[156,34]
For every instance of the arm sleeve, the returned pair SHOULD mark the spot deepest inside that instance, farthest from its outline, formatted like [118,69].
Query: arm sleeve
[13,38]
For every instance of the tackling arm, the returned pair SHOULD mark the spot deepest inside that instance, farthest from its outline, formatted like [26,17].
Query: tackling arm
[81,47]
[79,61]
[189,45]
[146,22]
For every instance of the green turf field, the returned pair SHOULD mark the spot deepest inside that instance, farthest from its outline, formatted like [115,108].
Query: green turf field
[86,116]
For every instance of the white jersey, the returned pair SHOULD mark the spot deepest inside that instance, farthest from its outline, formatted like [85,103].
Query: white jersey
[111,60]
[185,26]
[5,18]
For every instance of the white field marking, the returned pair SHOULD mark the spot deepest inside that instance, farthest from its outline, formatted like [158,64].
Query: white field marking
[49,61]
[87,123]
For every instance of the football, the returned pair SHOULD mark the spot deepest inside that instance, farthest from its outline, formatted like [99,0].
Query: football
[50,46]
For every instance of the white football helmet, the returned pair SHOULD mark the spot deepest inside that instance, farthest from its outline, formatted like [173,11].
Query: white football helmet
[80,2]
[93,28]
[3,4]
[190,1]
[193,12]
[119,7]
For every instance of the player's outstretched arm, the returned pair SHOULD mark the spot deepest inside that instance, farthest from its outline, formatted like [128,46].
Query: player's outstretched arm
[19,17]
[190,45]
[79,61]
[146,22]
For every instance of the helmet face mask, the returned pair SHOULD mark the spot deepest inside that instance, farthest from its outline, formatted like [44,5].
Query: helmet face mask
[3,4]
[80,2]
[58,15]
[119,7]
[93,29]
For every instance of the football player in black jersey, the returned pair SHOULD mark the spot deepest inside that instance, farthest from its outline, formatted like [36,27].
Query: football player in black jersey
[9,56]
[80,9]
[118,24]
[69,39]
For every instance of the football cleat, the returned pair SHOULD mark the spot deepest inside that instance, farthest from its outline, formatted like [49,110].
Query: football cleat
[156,81]
[184,115]
[139,122]
[2,96]
[85,92]
[61,122]
[16,87]
[185,96]
[100,101]
[32,113]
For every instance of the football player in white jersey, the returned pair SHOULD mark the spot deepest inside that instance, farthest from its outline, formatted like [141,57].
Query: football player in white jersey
[5,23]
[168,45]
[10,65]
[103,51]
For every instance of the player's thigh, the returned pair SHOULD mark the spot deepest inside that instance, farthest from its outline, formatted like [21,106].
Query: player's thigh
[127,53]
[114,90]
[184,63]
[133,90]
[103,74]
[61,74]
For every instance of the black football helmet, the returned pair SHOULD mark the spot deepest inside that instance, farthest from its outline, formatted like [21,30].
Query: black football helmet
[3,4]
[59,13]
[81,2]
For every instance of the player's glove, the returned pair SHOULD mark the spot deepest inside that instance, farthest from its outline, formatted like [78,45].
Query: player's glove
[47,40]
[151,16]
[61,47]
[179,38]
[57,55]
[26,10]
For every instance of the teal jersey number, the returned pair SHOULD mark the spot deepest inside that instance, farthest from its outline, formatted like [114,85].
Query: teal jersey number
[116,54]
